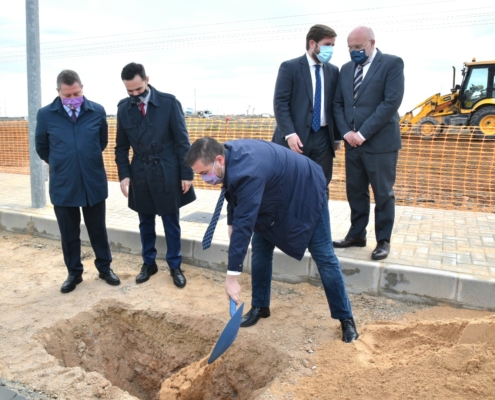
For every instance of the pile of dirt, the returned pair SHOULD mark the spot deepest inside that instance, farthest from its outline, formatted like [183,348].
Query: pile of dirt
[150,341]
[452,359]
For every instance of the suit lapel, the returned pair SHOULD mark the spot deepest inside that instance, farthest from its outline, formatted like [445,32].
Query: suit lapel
[347,78]
[375,65]
[328,84]
[307,77]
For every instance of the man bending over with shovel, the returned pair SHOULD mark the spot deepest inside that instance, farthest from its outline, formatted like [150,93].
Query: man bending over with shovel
[279,198]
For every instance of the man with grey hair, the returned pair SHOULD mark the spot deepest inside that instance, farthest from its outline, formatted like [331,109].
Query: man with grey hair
[71,134]
[369,94]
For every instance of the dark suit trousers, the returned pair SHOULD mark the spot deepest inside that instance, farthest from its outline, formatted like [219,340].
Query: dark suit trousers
[321,250]
[317,148]
[171,226]
[69,221]
[379,170]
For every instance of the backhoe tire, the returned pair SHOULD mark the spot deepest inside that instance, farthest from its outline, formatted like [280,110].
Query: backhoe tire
[427,128]
[484,121]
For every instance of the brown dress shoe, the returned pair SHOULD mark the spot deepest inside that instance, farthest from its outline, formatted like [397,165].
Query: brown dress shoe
[381,250]
[349,242]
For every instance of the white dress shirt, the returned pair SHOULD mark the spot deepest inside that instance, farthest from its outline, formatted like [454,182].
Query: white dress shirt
[312,72]
[146,99]
[69,110]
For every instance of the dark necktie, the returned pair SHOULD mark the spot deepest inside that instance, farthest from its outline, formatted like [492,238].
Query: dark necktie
[141,107]
[358,79]
[208,237]
[316,124]
[73,115]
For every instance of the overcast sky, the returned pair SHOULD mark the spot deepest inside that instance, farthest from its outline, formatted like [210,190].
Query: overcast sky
[224,55]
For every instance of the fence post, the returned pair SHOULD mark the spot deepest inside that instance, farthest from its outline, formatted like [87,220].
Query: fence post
[38,196]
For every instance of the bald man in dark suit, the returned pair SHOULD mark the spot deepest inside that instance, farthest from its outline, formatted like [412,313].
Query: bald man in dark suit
[368,96]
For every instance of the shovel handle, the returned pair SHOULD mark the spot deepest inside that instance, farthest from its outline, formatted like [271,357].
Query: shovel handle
[233,308]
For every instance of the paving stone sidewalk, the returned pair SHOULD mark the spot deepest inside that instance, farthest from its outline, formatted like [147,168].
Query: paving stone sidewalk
[436,255]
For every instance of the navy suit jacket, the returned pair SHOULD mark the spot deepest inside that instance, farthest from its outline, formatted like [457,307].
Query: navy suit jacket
[273,191]
[293,100]
[374,112]
[73,150]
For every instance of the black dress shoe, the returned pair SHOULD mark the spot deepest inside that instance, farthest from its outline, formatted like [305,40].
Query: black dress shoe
[110,278]
[179,278]
[146,271]
[381,250]
[349,242]
[349,333]
[70,283]
[253,316]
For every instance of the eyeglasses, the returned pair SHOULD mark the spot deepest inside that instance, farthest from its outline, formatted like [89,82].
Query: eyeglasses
[359,47]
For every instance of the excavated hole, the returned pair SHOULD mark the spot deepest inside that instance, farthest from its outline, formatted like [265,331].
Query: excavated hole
[137,350]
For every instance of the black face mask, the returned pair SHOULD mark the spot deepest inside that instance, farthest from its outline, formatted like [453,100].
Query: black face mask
[140,97]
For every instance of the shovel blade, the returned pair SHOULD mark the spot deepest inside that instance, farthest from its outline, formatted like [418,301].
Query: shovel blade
[228,335]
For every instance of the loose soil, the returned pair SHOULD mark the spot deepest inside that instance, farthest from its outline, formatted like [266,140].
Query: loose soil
[151,341]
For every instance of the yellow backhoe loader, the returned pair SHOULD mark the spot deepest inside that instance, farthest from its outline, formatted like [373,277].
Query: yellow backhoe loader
[470,104]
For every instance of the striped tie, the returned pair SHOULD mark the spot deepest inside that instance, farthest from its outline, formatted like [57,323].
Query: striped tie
[208,237]
[358,79]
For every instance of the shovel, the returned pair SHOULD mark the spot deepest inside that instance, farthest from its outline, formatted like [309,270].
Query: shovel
[229,333]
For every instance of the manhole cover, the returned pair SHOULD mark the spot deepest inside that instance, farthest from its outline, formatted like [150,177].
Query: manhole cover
[200,216]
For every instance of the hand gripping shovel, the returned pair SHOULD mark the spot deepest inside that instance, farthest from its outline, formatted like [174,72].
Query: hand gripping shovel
[229,333]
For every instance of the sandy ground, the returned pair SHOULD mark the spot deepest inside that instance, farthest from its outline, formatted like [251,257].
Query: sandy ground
[151,341]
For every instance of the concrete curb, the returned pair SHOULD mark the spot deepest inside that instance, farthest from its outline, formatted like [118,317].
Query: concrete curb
[7,394]
[379,278]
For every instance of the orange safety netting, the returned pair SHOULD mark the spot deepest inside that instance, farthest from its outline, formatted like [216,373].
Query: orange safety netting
[452,170]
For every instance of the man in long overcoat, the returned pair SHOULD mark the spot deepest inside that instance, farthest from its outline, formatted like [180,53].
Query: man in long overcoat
[279,198]
[71,134]
[156,181]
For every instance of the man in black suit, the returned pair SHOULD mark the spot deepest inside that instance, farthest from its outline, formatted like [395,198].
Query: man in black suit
[303,101]
[156,181]
[369,93]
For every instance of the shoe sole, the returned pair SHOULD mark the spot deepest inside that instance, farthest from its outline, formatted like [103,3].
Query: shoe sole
[78,281]
[352,245]
[378,257]
[149,276]
[113,283]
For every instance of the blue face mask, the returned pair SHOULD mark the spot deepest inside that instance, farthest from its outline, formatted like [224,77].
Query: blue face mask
[211,178]
[325,53]
[359,56]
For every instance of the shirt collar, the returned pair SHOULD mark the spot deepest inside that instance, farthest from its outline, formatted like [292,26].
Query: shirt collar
[372,57]
[311,61]
[147,98]
[69,108]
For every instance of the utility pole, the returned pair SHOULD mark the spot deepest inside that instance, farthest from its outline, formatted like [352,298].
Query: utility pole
[38,196]
[195,111]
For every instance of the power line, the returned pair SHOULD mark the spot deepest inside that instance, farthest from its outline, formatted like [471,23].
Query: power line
[225,36]
[319,14]
[172,44]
